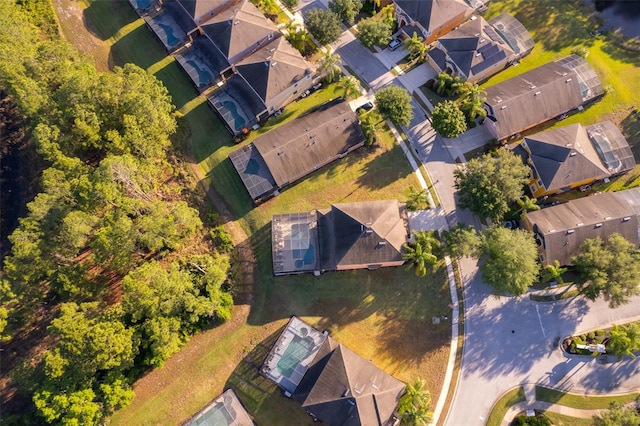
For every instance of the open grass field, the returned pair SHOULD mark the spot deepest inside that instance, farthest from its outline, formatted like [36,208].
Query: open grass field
[560,26]
[384,316]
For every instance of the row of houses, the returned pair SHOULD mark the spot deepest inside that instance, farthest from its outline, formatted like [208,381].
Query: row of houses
[233,54]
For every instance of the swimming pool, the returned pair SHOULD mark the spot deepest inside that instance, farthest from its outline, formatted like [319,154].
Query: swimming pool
[238,119]
[168,31]
[204,76]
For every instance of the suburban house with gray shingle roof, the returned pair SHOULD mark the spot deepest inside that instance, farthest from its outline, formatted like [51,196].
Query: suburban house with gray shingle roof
[540,95]
[331,382]
[479,49]
[290,152]
[430,19]
[560,230]
[233,54]
[363,235]
[569,157]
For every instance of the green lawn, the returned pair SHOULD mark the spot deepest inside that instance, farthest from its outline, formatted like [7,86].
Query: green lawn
[562,420]
[385,315]
[580,401]
[501,406]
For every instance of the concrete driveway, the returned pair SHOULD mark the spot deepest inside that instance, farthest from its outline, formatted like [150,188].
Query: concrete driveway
[508,341]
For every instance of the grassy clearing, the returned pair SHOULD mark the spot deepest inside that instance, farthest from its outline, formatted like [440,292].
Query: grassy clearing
[384,316]
[581,401]
[501,407]
[558,27]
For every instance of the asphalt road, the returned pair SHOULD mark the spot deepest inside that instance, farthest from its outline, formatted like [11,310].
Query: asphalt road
[508,341]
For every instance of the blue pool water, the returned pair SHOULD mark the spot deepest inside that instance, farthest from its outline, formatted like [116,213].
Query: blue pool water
[204,76]
[168,30]
[238,119]
[142,4]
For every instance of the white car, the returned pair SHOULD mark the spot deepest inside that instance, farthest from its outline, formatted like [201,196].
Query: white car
[395,43]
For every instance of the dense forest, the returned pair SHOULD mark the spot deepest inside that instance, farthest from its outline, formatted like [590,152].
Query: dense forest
[110,262]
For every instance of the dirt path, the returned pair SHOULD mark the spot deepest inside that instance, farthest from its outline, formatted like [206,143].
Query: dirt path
[245,256]
[72,22]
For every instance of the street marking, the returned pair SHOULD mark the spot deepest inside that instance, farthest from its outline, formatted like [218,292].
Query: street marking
[540,319]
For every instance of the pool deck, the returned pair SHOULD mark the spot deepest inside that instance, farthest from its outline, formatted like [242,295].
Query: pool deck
[295,328]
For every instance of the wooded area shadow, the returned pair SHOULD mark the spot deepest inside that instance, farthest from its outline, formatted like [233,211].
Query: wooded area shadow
[94,20]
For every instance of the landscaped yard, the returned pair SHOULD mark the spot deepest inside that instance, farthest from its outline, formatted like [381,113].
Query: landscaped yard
[384,316]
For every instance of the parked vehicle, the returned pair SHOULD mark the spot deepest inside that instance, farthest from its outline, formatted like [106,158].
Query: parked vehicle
[364,107]
[510,224]
[395,43]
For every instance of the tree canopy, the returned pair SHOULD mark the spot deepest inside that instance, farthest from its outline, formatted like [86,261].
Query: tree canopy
[448,120]
[486,185]
[609,268]
[415,404]
[374,32]
[324,25]
[110,206]
[423,252]
[510,260]
[345,9]
[618,415]
[394,103]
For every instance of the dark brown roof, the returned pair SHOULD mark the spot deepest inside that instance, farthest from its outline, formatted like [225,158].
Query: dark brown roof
[274,68]
[475,47]
[432,14]
[237,29]
[302,146]
[343,389]
[564,227]
[370,233]
[541,94]
[574,153]
[564,156]
[198,8]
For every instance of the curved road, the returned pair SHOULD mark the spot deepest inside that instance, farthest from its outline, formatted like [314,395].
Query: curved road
[508,341]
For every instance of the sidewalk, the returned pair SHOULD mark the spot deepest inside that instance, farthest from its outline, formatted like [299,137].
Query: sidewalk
[435,219]
[532,404]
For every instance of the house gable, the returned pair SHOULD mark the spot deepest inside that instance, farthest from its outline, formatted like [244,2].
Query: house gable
[560,230]
[361,235]
[239,31]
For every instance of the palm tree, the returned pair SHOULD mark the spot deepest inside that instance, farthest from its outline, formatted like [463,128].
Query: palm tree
[442,83]
[414,404]
[416,47]
[420,252]
[368,128]
[471,100]
[329,65]
[351,86]
[526,205]
[456,85]
[554,272]
[417,199]
[624,340]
